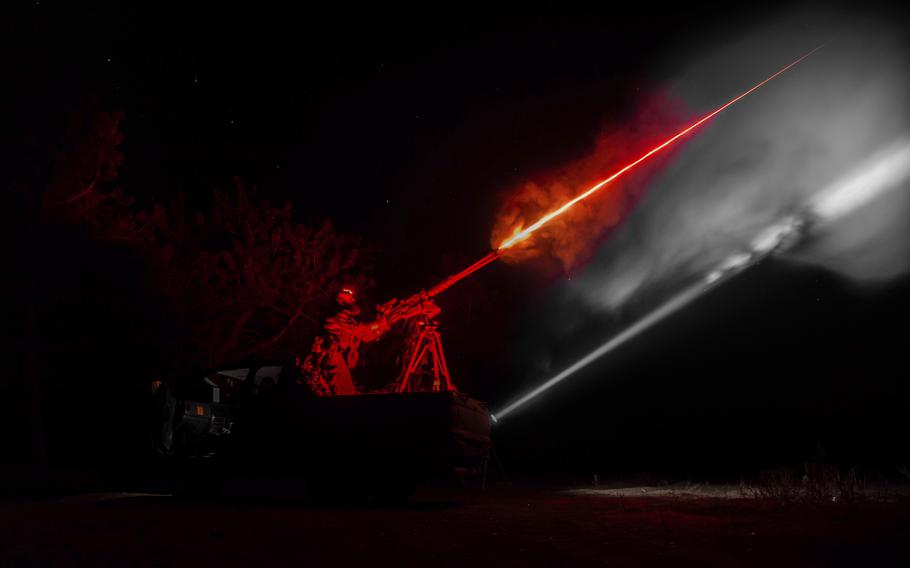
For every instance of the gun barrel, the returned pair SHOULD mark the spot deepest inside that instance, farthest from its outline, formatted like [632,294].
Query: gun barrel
[396,310]
[451,280]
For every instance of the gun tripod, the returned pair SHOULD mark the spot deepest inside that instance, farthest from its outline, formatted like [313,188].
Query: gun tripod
[426,359]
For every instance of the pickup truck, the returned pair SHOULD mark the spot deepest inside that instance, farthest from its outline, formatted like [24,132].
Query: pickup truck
[262,420]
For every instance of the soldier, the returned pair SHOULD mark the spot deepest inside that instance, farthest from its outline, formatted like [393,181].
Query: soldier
[333,355]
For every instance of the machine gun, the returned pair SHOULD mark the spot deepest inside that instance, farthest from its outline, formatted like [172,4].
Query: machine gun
[425,367]
[424,356]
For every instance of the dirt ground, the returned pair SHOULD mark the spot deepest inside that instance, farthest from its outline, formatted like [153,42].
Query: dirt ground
[505,526]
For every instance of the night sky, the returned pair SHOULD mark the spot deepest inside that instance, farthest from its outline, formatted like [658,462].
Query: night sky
[408,126]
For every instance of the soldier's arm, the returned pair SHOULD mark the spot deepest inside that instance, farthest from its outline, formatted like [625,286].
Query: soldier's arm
[369,332]
[334,327]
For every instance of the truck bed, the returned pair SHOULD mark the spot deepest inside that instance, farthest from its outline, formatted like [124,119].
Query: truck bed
[381,444]
[429,429]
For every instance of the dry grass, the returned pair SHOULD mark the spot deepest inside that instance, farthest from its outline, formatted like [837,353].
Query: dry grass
[814,482]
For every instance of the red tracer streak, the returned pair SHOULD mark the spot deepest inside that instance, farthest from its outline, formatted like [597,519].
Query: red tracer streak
[526,232]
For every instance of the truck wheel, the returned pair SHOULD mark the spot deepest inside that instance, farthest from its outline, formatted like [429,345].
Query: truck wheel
[199,487]
[201,479]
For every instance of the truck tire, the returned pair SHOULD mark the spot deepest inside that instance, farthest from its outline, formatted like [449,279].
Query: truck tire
[200,481]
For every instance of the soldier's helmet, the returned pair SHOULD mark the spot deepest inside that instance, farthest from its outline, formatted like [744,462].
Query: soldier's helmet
[346,297]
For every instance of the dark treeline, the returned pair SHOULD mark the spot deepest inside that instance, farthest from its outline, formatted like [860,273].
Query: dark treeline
[110,293]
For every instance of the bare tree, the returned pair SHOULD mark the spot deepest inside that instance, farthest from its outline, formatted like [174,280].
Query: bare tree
[247,280]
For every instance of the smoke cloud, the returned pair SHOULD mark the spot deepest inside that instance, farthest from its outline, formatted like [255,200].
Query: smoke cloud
[573,237]
[770,157]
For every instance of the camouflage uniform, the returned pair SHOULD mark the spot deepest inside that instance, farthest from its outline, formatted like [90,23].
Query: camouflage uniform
[337,352]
